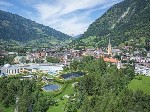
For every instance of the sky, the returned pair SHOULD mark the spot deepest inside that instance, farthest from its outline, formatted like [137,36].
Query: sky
[71,17]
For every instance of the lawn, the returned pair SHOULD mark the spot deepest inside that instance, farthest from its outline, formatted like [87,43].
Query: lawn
[61,103]
[140,83]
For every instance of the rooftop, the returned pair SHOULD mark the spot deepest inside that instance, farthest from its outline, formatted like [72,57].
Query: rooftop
[112,60]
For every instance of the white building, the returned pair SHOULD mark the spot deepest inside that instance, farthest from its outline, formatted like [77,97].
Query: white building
[8,69]
[44,68]
[142,70]
[18,68]
[148,54]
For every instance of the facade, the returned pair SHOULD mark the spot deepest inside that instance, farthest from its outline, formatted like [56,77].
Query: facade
[18,68]
[109,48]
[8,69]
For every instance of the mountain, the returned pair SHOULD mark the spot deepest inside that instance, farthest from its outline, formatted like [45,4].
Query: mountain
[76,36]
[124,23]
[22,30]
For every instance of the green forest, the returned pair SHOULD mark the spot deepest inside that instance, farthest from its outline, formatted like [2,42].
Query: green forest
[105,89]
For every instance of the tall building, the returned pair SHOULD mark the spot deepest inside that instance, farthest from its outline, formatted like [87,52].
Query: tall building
[109,48]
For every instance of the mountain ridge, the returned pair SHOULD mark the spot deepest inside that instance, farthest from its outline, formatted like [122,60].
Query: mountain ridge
[123,22]
[18,28]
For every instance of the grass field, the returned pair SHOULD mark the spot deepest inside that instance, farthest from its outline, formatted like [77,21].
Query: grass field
[140,83]
[61,103]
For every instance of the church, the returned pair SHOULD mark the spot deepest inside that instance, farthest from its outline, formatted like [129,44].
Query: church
[107,56]
[99,53]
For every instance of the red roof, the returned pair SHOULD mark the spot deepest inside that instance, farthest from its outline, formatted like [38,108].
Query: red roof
[112,60]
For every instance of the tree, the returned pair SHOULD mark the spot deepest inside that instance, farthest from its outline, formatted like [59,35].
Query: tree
[74,65]
[53,59]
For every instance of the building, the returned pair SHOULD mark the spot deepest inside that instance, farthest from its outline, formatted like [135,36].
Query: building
[29,77]
[30,68]
[20,59]
[114,61]
[109,49]
[8,69]
[111,60]
[12,53]
[141,69]
[148,54]
[100,53]
[116,52]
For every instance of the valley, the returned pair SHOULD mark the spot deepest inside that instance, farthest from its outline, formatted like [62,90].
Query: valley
[75,56]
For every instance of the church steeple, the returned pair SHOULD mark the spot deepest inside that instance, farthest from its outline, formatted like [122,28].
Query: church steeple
[109,42]
[109,48]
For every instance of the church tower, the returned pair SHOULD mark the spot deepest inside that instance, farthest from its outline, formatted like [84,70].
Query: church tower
[109,48]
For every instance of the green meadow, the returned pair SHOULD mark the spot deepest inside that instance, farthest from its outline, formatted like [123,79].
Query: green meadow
[140,83]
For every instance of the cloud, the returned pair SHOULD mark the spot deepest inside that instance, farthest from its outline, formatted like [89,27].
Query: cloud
[67,16]
[47,11]
[5,4]
[74,25]
[71,16]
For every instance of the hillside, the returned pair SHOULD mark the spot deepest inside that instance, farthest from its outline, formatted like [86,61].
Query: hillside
[126,22]
[19,29]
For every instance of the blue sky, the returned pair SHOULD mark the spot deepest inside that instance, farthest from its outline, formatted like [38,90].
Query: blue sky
[67,16]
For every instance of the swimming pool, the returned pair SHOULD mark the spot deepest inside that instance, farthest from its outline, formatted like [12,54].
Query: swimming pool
[51,87]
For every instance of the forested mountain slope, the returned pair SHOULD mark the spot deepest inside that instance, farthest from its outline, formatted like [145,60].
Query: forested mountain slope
[128,21]
[20,29]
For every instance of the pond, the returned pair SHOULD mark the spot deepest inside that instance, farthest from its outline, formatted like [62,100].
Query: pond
[51,87]
[72,75]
